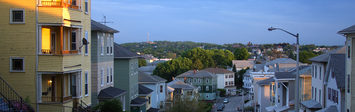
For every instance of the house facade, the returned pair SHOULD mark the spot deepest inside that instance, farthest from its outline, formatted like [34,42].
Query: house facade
[225,79]
[349,33]
[158,85]
[44,49]
[102,51]
[205,81]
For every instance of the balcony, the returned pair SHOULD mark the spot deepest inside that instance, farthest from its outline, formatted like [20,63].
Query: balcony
[59,52]
[56,99]
[56,3]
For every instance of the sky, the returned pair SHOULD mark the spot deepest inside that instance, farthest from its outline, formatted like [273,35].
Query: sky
[227,21]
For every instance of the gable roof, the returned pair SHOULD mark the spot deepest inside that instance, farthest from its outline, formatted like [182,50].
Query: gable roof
[179,84]
[121,52]
[324,57]
[311,104]
[266,81]
[350,29]
[96,26]
[110,92]
[284,75]
[337,63]
[242,63]
[143,91]
[138,101]
[197,74]
[146,78]
[217,70]
[281,60]
[258,67]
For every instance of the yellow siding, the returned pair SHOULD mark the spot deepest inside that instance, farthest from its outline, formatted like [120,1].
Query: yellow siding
[50,63]
[50,15]
[72,60]
[19,40]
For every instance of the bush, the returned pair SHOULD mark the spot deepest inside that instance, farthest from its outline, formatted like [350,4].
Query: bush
[113,105]
[222,92]
[246,101]
[208,107]
[249,108]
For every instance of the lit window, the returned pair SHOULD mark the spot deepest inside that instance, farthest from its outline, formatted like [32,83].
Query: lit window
[17,64]
[17,15]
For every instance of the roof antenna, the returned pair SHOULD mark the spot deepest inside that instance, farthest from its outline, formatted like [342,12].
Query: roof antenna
[104,20]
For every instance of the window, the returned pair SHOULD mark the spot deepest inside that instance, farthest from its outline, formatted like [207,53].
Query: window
[149,100]
[336,96]
[102,45]
[312,92]
[329,94]
[17,15]
[86,84]
[312,71]
[199,80]
[332,72]
[206,95]
[108,75]
[73,41]
[111,49]
[315,94]
[320,95]
[226,76]
[161,88]
[278,85]
[320,73]
[207,80]
[102,77]
[17,64]
[231,76]
[195,80]
[108,46]
[86,6]
[315,71]
[190,80]
[131,68]
[111,74]
[199,88]
[348,83]
[226,83]
[349,48]
[207,88]
[86,46]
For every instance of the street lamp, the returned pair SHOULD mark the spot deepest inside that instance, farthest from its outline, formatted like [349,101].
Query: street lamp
[297,68]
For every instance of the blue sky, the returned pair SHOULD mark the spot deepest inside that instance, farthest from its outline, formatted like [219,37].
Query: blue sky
[227,21]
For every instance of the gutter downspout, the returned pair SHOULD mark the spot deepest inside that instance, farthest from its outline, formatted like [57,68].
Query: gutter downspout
[36,80]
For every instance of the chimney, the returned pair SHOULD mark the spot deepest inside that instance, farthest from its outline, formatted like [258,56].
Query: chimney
[173,78]
[194,70]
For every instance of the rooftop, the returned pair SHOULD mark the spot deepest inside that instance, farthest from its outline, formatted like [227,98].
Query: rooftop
[197,74]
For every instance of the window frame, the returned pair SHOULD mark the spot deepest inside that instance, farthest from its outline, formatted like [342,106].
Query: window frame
[11,16]
[102,77]
[23,64]
[161,88]
[112,43]
[102,45]
[207,80]
[86,46]
[107,46]
[108,76]
[86,83]
[86,7]
[111,74]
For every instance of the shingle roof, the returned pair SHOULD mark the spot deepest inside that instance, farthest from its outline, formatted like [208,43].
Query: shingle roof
[311,104]
[151,109]
[283,75]
[146,68]
[332,108]
[179,84]
[96,26]
[350,29]
[121,52]
[266,81]
[144,90]
[146,78]
[198,74]
[338,64]
[110,92]
[259,67]
[138,100]
[243,63]
[217,70]
[324,57]
[281,60]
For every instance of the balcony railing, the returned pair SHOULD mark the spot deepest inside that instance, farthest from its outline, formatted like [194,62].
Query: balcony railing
[55,99]
[55,52]
[58,4]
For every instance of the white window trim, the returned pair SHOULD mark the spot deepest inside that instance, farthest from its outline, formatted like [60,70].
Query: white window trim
[199,80]
[108,46]
[102,46]
[87,38]
[86,6]
[207,88]
[108,76]
[22,15]
[23,64]
[112,43]
[111,74]
[87,81]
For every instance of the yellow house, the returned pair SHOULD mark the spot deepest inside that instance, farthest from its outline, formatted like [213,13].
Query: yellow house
[44,54]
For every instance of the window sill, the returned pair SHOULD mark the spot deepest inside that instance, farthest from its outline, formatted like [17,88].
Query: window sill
[17,23]
[86,95]
[17,71]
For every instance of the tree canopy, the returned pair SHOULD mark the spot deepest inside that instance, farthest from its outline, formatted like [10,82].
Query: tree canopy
[172,68]
[241,54]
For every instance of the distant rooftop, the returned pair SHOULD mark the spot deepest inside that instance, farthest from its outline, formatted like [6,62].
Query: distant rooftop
[197,74]
[217,70]
[96,26]
[324,57]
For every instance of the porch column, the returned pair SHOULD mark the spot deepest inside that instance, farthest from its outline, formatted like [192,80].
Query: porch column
[39,91]
[61,36]
[40,39]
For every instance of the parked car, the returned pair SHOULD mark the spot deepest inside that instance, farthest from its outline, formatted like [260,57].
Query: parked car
[222,105]
[226,100]
[220,108]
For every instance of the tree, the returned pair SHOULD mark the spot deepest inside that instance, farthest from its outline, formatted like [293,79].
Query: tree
[172,68]
[142,62]
[113,105]
[197,65]
[239,77]
[205,56]
[304,56]
[187,103]
[241,54]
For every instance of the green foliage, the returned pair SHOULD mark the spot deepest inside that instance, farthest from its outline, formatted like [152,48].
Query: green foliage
[172,68]
[113,105]
[27,100]
[222,58]
[246,101]
[222,92]
[241,54]
[288,48]
[197,65]
[249,108]
[187,103]
[205,56]
[234,69]
[305,55]
[142,62]
[238,79]
[208,107]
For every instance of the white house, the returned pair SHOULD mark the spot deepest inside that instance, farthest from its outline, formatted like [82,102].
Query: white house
[242,64]
[158,85]
[225,79]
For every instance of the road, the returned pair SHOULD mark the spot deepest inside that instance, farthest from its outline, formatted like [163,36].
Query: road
[234,102]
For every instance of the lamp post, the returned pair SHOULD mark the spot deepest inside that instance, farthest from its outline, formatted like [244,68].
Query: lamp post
[297,68]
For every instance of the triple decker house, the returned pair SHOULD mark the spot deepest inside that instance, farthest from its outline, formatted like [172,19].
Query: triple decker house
[45,53]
